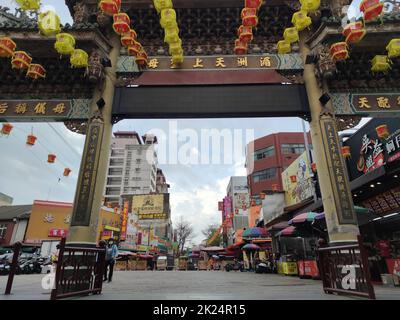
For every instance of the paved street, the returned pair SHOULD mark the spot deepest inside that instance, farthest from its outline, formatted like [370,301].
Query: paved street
[170,285]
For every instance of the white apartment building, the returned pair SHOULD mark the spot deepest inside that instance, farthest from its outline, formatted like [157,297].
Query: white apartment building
[132,167]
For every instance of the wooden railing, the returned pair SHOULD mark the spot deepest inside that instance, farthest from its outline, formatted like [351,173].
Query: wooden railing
[345,270]
[79,271]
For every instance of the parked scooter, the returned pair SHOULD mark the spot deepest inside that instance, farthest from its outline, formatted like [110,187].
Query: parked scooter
[235,266]
[263,267]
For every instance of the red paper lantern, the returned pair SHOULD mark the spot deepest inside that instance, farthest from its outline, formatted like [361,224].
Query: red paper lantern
[6,129]
[121,23]
[354,32]
[134,49]
[128,39]
[245,34]
[382,131]
[110,7]
[20,60]
[51,158]
[372,9]
[31,140]
[293,179]
[339,51]
[67,171]
[141,58]
[7,47]
[240,47]
[252,4]
[249,17]
[36,71]
[346,152]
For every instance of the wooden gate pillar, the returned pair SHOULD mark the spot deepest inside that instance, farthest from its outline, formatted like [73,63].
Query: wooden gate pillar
[337,200]
[93,170]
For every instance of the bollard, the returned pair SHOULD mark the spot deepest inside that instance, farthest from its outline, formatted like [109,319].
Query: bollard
[17,249]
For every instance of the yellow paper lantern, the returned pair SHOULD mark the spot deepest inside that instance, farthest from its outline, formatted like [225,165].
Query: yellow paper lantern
[310,5]
[283,47]
[79,59]
[380,63]
[300,20]
[171,35]
[291,35]
[168,18]
[160,5]
[49,23]
[65,43]
[393,48]
[28,4]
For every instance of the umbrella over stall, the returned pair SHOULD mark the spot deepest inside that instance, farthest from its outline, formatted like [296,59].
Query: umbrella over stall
[303,217]
[289,231]
[251,247]
[255,232]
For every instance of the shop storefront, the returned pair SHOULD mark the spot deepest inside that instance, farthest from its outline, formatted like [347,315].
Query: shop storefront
[374,172]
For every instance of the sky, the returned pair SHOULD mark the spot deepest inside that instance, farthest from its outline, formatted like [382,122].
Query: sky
[195,188]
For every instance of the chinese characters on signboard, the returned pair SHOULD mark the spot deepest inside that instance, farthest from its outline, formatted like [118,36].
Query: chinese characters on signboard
[87,178]
[58,233]
[215,62]
[371,155]
[376,102]
[149,206]
[124,223]
[389,200]
[340,185]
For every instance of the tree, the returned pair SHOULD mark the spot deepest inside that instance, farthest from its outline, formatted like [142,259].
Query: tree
[184,233]
[209,232]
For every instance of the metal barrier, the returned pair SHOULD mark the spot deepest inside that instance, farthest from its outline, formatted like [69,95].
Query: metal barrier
[13,268]
[345,270]
[79,271]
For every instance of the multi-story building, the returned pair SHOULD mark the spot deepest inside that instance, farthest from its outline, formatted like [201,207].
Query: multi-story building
[161,182]
[132,166]
[269,156]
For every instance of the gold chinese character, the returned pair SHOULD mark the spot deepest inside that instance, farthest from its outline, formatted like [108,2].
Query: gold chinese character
[199,63]
[40,108]
[242,61]
[59,108]
[363,103]
[3,107]
[21,108]
[153,63]
[220,62]
[383,102]
[398,101]
[265,61]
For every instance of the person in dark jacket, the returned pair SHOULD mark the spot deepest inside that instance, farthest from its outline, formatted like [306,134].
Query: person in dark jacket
[111,256]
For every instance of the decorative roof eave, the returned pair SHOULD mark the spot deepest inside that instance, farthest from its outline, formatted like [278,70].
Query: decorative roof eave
[331,31]
[92,35]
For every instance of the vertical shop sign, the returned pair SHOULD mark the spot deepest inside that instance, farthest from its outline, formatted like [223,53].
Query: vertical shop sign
[124,221]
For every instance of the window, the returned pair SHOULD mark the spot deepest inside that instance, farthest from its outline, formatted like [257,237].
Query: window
[264,174]
[138,161]
[3,230]
[263,153]
[297,148]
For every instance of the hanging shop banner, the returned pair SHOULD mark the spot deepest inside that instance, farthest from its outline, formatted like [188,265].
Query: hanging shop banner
[124,221]
[297,181]
[241,201]
[153,206]
[384,104]
[377,143]
[220,206]
[23,110]
[336,170]
[223,62]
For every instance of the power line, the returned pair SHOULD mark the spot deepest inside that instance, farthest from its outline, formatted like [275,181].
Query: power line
[65,141]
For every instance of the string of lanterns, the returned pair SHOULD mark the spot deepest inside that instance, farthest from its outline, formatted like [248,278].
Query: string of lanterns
[121,26]
[31,140]
[168,22]
[249,21]
[49,25]
[354,32]
[300,21]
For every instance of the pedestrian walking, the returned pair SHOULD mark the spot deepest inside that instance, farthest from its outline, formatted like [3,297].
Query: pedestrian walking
[111,256]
